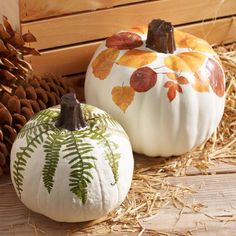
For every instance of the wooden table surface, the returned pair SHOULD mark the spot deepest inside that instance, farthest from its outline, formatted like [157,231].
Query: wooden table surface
[216,192]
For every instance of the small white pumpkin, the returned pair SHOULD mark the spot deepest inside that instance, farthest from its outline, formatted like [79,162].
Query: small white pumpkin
[72,164]
[169,100]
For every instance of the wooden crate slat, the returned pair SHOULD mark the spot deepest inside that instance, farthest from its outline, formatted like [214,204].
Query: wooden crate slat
[35,9]
[75,59]
[10,9]
[65,61]
[216,192]
[99,24]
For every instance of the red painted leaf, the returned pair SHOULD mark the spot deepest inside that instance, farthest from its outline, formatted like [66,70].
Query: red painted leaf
[172,88]
[124,41]
[143,79]
[216,77]
[182,80]
[171,94]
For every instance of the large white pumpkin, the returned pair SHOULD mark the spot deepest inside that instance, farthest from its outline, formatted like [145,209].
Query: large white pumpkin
[72,174]
[167,103]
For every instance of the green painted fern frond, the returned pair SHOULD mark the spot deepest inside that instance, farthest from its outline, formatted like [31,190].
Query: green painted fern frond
[109,147]
[19,165]
[41,119]
[46,115]
[102,119]
[52,147]
[80,164]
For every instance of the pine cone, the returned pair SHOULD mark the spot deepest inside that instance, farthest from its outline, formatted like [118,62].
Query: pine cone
[22,94]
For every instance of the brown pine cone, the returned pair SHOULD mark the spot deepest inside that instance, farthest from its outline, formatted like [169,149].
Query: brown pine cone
[21,93]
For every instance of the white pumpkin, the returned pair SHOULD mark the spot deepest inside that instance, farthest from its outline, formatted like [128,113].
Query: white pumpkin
[71,168]
[168,103]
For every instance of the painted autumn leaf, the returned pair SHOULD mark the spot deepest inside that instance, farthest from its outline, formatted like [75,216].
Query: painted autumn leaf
[122,96]
[137,58]
[124,41]
[186,61]
[216,77]
[143,79]
[180,79]
[103,63]
[199,84]
[173,88]
[185,40]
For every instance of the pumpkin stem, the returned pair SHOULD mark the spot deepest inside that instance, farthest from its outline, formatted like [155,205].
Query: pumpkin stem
[160,36]
[71,116]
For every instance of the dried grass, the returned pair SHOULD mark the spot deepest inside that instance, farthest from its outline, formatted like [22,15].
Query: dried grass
[150,189]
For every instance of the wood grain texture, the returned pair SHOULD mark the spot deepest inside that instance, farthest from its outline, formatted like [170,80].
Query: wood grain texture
[217,217]
[10,9]
[99,24]
[216,192]
[75,59]
[35,9]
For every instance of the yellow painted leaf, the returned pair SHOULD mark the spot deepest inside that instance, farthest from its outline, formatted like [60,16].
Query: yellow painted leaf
[122,96]
[137,58]
[103,63]
[199,84]
[186,61]
[172,76]
[185,40]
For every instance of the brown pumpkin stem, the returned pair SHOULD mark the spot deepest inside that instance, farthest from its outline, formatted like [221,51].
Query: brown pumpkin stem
[160,36]
[71,116]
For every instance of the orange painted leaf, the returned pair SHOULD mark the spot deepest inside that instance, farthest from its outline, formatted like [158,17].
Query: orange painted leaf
[171,94]
[169,84]
[103,63]
[122,96]
[216,77]
[182,80]
[137,58]
[124,40]
[186,61]
[172,88]
[185,40]
[199,84]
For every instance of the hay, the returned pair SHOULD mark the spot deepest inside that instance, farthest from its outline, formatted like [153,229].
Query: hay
[150,189]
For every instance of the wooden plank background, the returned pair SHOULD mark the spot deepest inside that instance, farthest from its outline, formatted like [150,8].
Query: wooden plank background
[10,8]
[95,25]
[75,59]
[35,9]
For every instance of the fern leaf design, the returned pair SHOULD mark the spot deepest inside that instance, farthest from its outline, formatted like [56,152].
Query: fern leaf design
[46,115]
[113,160]
[42,118]
[101,136]
[24,154]
[81,165]
[102,119]
[52,147]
